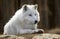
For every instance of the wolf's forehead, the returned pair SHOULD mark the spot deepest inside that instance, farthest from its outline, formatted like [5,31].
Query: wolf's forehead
[31,6]
[32,12]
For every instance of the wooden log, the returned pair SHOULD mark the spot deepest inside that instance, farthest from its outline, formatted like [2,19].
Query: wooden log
[31,36]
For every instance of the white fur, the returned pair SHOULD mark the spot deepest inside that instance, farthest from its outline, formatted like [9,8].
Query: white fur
[22,23]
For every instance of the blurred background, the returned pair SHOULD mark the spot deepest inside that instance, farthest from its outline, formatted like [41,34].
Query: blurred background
[49,12]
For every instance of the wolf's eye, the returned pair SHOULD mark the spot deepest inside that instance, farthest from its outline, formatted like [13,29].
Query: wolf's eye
[35,14]
[30,14]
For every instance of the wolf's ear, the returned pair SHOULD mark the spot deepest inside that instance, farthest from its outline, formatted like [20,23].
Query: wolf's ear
[36,6]
[25,8]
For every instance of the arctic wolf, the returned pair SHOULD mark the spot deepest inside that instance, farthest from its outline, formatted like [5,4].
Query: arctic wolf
[24,21]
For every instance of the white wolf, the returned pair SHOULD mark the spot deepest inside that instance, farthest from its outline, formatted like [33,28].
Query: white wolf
[24,21]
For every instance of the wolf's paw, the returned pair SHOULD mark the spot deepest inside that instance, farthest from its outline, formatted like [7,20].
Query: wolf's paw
[39,31]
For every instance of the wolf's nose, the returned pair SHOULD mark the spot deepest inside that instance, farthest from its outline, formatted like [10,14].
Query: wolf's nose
[35,21]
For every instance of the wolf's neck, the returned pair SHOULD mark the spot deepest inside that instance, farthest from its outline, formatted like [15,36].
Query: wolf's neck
[26,25]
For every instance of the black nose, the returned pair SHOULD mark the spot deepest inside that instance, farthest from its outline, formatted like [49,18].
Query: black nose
[35,21]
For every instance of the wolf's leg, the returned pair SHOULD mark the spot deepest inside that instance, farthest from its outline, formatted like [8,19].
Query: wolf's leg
[26,31]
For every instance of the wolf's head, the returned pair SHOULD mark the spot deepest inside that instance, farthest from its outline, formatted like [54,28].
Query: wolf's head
[31,14]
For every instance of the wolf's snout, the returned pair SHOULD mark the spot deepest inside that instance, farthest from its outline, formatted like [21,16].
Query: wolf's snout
[36,21]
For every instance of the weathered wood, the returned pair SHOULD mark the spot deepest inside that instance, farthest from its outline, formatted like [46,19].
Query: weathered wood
[31,36]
